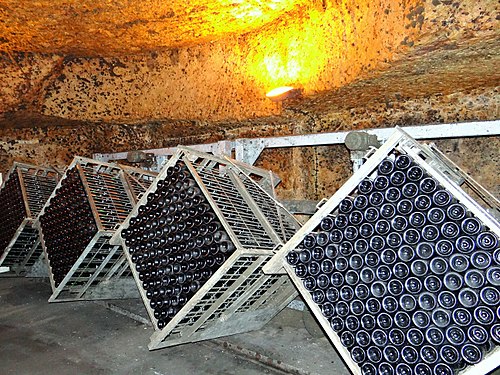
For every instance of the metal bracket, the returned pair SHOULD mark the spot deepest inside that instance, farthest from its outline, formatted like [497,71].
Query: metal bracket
[321,203]
[357,158]
[248,150]
[301,207]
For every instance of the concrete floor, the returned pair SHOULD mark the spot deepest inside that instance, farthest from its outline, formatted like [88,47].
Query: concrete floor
[87,338]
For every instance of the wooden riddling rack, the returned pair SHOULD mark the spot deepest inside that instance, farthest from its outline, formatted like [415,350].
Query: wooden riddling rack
[233,297]
[94,268]
[31,185]
[449,178]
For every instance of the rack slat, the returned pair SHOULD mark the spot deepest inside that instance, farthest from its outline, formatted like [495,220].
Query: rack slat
[234,296]
[303,261]
[19,240]
[92,198]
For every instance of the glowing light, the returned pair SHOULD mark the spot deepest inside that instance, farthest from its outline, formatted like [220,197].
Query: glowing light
[283,92]
[247,11]
[279,91]
[251,9]
[290,53]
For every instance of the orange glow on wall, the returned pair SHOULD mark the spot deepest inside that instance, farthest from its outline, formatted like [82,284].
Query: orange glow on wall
[290,54]
[248,9]
[319,48]
[129,26]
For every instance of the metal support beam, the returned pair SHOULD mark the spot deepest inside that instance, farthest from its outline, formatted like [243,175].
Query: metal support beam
[162,154]
[248,150]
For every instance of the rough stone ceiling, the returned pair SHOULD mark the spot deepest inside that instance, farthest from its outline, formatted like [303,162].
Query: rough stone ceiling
[121,27]
[442,69]
[140,62]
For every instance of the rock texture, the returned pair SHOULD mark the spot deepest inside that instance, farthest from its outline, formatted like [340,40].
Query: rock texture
[314,47]
[111,28]
[86,77]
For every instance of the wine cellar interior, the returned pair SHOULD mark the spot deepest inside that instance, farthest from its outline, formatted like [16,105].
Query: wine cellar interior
[303,187]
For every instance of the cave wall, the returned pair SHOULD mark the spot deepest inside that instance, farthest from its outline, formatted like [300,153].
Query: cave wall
[378,64]
[315,46]
[306,173]
[120,27]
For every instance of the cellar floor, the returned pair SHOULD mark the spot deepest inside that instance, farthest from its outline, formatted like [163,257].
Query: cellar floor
[87,338]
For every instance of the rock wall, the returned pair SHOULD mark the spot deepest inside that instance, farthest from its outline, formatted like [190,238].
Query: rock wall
[361,65]
[307,173]
[314,46]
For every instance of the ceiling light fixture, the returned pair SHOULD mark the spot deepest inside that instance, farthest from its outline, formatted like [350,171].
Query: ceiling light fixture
[285,92]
